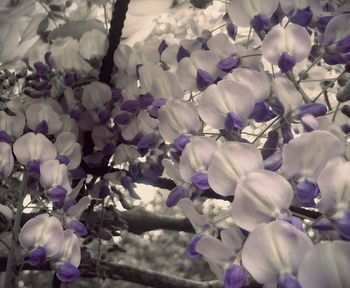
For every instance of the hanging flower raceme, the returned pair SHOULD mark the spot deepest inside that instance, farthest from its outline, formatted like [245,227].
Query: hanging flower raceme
[43,237]
[286,46]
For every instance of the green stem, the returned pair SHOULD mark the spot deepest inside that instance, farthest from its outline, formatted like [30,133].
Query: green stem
[308,68]
[15,231]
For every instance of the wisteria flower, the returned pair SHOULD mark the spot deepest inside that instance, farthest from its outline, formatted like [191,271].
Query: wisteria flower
[6,160]
[172,123]
[261,197]
[226,105]
[195,160]
[326,265]
[34,148]
[41,118]
[43,236]
[68,150]
[333,182]
[243,12]
[286,46]
[96,94]
[307,155]
[273,252]
[230,163]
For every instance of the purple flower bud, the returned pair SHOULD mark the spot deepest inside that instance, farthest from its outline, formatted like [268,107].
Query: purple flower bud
[270,145]
[262,113]
[276,106]
[122,119]
[295,221]
[309,123]
[67,272]
[228,64]
[342,224]
[182,53]
[69,79]
[181,141]
[94,160]
[154,107]
[103,116]
[37,256]
[104,191]
[343,45]
[345,128]
[47,58]
[232,30]
[306,192]
[78,173]
[323,225]
[63,159]
[130,106]
[302,17]
[76,114]
[57,193]
[126,182]
[145,100]
[286,62]
[200,180]
[109,149]
[346,110]
[203,79]
[116,94]
[41,68]
[42,128]
[315,109]
[274,162]
[233,122]
[175,196]
[235,277]
[162,46]
[69,203]
[78,227]
[191,248]
[39,93]
[148,141]
[322,23]
[286,132]
[259,22]
[288,281]
[138,66]
[33,167]
[4,137]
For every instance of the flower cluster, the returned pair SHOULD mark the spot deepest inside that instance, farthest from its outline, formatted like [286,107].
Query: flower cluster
[261,121]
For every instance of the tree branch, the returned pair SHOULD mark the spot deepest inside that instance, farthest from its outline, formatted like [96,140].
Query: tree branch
[115,33]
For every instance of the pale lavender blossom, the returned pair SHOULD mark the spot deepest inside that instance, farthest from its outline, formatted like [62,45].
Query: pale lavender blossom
[326,265]
[6,160]
[41,118]
[12,125]
[307,155]
[286,46]
[230,163]
[273,252]
[198,71]
[172,123]
[96,94]
[195,160]
[68,149]
[242,12]
[33,147]
[42,231]
[222,105]
[261,197]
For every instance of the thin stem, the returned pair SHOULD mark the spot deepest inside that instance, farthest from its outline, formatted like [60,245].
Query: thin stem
[336,112]
[308,68]
[327,86]
[16,227]
[290,76]
[267,128]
